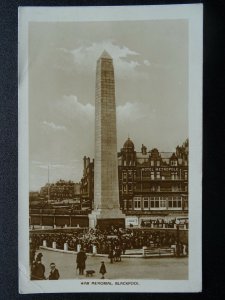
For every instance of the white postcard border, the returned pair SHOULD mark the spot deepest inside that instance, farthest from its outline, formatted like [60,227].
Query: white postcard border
[193,13]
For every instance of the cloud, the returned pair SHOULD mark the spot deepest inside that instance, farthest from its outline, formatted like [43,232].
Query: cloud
[85,113]
[129,110]
[147,62]
[72,108]
[125,60]
[53,126]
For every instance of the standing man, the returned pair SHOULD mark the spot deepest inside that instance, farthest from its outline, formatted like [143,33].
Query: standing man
[111,254]
[81,258]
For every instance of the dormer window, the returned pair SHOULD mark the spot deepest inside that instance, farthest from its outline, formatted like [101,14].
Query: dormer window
[173,162]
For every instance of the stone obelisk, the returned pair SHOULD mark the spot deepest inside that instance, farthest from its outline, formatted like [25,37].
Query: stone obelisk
[106,188]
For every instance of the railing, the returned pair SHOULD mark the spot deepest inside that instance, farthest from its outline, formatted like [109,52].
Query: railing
[162,190]
[158,251]
[146,251]
[138,178]
[166,226]
[58,211]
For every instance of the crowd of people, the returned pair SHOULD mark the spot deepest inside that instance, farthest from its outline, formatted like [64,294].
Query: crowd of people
[162,223]
[113,242]
[159,223]
[116,239]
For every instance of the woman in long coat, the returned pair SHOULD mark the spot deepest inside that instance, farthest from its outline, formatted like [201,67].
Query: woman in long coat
[102,269]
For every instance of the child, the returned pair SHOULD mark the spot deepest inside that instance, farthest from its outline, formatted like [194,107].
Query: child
[54,273]
[102,269]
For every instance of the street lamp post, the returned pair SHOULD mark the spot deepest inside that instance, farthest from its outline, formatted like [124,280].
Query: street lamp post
[178,238]
[48,198]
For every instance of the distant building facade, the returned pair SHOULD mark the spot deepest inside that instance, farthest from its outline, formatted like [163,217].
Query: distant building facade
[87,184]
[61,190]
[150,182]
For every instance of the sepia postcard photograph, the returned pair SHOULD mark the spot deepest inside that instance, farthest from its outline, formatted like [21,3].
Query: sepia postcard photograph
[110,149]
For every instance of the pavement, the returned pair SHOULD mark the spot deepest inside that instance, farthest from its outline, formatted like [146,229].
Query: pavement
[129,268]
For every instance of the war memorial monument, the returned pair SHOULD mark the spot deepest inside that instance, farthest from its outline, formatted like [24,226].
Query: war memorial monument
[106,188]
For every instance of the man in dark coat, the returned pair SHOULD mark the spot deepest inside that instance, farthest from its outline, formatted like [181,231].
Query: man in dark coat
[111,255]
[81,258]
[54,273]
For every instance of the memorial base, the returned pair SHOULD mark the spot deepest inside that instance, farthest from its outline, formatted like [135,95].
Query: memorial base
[103,221]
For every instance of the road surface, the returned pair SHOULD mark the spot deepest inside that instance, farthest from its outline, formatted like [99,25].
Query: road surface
[128,268]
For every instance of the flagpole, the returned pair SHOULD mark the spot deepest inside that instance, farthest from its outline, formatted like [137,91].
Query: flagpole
[48,186]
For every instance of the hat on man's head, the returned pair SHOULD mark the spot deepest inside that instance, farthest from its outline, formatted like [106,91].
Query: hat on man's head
[40,255]
[52,264]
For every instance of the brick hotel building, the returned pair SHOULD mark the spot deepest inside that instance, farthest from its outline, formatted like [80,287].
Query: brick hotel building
[151,183]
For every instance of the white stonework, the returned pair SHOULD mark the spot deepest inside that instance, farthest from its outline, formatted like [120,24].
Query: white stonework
[106,187]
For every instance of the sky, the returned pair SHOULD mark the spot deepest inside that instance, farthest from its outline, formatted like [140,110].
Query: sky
[151,80]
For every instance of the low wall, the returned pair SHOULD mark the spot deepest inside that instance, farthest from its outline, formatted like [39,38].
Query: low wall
[143,253]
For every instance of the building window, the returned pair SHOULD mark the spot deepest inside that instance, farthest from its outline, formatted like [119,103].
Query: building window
[129,204]
[173,162]
[158,175]
[130,178]
[152,202]
[175,203]
[174,188]
[152,176]
[124,176]
[152,163]
[124,188]
[185,175]
[145,203]
[137,203]
[125,204]
[145,186]
[158,163]
[163,203]
[146,174]
[130,188]
[153,189]
[157,204]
